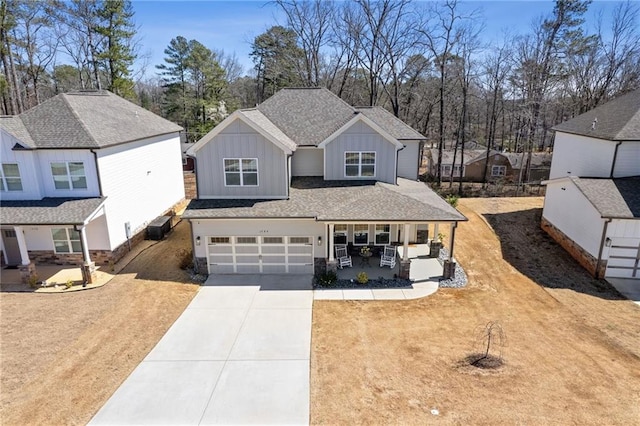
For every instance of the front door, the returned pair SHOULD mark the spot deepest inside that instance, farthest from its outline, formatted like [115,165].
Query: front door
[11,248]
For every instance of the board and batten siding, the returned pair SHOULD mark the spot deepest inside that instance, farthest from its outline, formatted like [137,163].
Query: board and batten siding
[238,140]
[571,212]
[627,160]
[28,166]
[360,137]
[141,180]
[408,159]
[307,162]
[581,156]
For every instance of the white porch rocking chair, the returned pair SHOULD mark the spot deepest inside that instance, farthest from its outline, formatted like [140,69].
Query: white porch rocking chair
[388,257]
[343,257]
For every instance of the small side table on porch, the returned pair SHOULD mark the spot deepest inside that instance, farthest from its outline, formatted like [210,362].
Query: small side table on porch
[365,258]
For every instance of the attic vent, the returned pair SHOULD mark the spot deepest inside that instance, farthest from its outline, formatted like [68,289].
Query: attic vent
[595,122]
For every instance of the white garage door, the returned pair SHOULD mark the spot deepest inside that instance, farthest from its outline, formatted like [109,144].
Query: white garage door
[624,258]
[260,255]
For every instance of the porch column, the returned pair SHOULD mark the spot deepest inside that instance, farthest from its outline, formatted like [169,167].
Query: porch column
[28,274]
[435,231]
[88,267]
[331,250]
[405,251]
[449,266]
[22,245]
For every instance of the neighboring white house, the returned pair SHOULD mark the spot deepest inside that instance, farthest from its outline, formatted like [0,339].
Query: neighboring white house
[281,184]
[592,202]
[82,174]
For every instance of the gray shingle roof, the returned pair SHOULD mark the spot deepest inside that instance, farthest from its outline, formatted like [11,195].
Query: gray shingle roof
[618,120]
[337,201]
[89,119]
[15,126]
[261,120]
[49,211]
[389,122]
[307,115]
[618,198]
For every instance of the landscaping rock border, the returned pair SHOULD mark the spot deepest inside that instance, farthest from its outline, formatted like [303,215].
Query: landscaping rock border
[460,279]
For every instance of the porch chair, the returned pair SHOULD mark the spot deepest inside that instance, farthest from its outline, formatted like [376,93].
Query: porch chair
[388,257]
[343,257]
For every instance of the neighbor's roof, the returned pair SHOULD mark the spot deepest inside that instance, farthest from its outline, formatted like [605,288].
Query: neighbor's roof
[15,126]
[308,116]
[470,155]
[538,159]
[617,198]
[87,119]
[345,201]
[617,120]
[49,211]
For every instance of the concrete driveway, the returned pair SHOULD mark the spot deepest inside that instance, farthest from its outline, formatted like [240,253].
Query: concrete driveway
[239,354]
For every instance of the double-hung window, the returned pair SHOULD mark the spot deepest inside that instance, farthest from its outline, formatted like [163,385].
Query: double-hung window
[359,164]
[382,234]
[241,172]
[340,234]
[69,175]
[498,170]
[10,177]
[360,235]
[66,240]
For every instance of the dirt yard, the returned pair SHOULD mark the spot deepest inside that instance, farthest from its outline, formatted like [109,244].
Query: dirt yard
[63,355]
[571,355]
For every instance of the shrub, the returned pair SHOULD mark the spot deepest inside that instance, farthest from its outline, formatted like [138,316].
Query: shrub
[329,278]
[185,258]
[362,277]
[69,283]
[33,281]
[452,199]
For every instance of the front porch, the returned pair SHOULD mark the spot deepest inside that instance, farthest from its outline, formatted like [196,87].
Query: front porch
[423,268]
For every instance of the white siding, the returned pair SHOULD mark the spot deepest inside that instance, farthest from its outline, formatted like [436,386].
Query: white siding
[628,160]
[46,157]
[307,162]
[360,137]
[27,164]
[581,156]
[408,160]
[141,180]
[239,140]
[571,212]
[260,227]
[40,237]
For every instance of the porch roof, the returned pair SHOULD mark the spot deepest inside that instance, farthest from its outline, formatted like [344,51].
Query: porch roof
[337,201]
[49,211]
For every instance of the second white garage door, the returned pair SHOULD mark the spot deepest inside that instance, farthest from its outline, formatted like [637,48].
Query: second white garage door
[260,255]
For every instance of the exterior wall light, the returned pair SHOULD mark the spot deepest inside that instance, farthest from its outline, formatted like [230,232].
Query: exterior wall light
[320,240]
[198,240]
[607,242]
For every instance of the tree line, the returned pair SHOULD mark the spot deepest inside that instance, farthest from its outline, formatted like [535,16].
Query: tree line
[427,62]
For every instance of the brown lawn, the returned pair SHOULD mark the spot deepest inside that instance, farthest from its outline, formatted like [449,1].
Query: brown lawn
[572,352]
[63,355]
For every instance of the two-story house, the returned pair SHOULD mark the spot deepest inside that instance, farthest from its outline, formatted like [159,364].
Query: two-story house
[82,174]
[281,184]
[592,202]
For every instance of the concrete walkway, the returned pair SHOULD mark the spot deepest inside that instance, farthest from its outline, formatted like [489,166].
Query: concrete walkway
[239,354]
[629,288]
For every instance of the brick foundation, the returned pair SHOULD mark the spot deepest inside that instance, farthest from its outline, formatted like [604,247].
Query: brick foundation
[200,265]
[578,253]
[319,266]
[405,269]
[190,189]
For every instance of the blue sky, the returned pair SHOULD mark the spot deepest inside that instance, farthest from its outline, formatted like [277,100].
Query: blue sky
[232,25]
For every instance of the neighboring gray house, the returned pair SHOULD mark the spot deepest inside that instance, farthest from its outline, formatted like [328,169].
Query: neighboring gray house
[280,184]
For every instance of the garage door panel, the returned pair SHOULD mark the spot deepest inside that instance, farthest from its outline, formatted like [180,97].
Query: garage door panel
[248,259]
[273,269]
[273,249]
[300,269]
[219,249]
[621,262]
[222,269]
[621,273]
[273,259]
[247,249]
[221,258]
[248,269]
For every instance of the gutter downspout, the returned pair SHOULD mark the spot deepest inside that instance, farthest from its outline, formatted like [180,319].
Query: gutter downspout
[615,156]
[95,157]
[395,179]
[195,171]
[604,234]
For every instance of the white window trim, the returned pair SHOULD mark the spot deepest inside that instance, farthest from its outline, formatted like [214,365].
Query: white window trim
[494,168]
[376,233]
[3,179]
[341,233]
[375,160]
[69,179]
[446,170]
[354,235]
[68,241]
[240,171]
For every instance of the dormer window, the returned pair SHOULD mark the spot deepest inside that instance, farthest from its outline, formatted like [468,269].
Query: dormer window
[10,177]
[69,175]
[359,164]
[241,172]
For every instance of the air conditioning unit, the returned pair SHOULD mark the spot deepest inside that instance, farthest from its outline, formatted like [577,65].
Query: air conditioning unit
[159,227]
